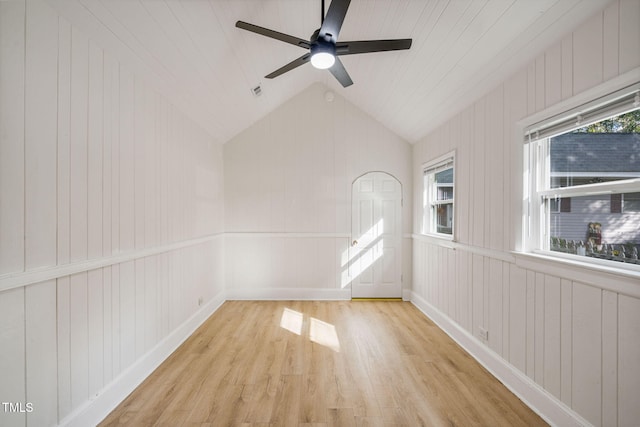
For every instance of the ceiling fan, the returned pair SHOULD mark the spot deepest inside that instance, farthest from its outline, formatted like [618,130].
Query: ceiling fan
[323,46]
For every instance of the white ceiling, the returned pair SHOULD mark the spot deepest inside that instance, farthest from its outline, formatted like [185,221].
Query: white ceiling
[192,52]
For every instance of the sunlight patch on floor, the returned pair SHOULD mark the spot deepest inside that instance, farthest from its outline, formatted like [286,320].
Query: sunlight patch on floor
[324,334]
[291,320]
[320,332]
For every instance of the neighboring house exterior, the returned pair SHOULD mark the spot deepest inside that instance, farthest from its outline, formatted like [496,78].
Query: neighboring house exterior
[584,158]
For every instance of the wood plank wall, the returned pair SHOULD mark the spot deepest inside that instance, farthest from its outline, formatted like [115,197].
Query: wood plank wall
[574,335]
[288,182]
[96,169]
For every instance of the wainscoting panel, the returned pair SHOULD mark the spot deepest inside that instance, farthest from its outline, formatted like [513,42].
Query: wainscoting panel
[572,339]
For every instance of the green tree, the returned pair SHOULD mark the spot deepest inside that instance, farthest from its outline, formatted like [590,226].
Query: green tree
[624,123]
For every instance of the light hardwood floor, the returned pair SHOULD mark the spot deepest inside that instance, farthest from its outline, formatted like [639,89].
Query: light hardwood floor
[309,363]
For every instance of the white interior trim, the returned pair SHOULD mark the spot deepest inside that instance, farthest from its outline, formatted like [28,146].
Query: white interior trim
[606,277]
[296,235]
[622,186]
[16,280]
[446,243]
[447,160]
[594,173]
[618,102]
[283,294]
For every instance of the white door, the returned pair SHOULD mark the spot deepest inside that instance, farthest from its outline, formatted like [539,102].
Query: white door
[376,237]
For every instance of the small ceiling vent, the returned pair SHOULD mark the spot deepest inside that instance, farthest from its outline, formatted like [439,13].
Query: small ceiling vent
[257,90]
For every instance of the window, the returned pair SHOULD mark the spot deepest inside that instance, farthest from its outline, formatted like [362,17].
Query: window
[631,202]
[625,203]
[584,181]
[439,197]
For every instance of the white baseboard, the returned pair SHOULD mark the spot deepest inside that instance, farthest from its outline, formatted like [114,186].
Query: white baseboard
[95,410]
[289,294]
[551,409]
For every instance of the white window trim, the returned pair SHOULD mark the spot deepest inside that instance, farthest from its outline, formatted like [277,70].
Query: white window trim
[449,157]
[622,186]
[532,226]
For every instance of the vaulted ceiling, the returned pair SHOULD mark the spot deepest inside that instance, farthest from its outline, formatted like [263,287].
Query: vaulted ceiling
[191,51]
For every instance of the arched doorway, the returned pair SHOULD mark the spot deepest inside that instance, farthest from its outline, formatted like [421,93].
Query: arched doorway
[375,266]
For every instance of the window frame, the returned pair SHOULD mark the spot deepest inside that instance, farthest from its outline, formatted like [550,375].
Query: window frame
[537,190]
[429,224]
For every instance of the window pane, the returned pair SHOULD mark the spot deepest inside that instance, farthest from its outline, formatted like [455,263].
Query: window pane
[445,176]
[601,152]
[631,202]
[444,218]
[439,198]
[444,184]
[445,193]
[595,227]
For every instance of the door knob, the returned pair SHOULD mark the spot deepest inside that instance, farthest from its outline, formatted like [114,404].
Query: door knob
[354,243]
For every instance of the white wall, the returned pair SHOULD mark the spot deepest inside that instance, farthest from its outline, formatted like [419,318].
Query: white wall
[110,215]
[571,331]
[288,195]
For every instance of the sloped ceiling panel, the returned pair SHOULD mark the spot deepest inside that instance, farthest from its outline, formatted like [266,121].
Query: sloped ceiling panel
[192,52]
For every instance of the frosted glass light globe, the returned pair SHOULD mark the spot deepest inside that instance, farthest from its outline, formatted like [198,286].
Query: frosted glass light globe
[323,60]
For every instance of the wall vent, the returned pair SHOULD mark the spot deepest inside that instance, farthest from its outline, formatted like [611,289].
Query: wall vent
[257,90]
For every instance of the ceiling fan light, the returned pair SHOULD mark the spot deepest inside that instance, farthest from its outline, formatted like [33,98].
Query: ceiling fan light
[323,54]
[323,60]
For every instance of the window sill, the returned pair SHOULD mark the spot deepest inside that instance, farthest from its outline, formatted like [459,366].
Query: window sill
[444,237]
[623,279]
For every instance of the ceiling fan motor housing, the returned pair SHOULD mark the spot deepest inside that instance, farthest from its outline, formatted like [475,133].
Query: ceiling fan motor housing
[322,53]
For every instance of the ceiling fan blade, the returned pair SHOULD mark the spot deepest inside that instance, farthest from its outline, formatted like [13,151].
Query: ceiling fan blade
[340,73]
[290,66]
[366,46]
[333,20]
[273,34]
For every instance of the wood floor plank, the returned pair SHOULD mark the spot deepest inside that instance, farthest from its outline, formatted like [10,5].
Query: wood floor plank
[288,397]
[341,417]
[312,363]
[370,422]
